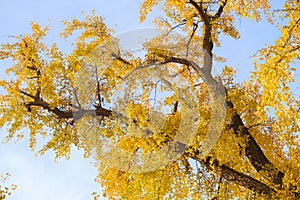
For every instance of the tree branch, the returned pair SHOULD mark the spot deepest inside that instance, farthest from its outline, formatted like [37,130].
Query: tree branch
[99,111]
[234,176]
[98,96]
[253,151]
[195,27]
[120,59]
[207,44]
[220,10]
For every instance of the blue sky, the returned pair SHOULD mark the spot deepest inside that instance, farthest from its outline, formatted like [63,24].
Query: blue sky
[40,178]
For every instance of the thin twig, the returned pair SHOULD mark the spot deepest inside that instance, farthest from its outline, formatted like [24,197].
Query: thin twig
[195,27]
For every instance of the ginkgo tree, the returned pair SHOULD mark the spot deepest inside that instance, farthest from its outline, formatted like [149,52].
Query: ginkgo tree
[64,98]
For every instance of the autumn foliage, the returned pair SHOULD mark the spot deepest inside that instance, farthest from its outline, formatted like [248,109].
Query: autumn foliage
[257,155]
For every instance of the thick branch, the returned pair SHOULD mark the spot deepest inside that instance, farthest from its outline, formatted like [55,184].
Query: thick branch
[59,113]
[253,151]
[39,102]
[236,177]
[207,39]
[215,86]
[201,12]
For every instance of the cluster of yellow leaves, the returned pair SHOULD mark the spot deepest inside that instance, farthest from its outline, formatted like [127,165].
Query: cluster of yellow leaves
[36,68]
[248,9]
[50,74]
[6,191]
[175,181]
[274,72]
[134,186]
[93,29]
[146,7]
[137,134]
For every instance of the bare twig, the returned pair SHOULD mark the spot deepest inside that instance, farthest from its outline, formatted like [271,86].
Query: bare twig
[98,96]
[195,27]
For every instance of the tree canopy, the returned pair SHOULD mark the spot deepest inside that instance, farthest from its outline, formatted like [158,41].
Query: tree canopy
[224,139]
